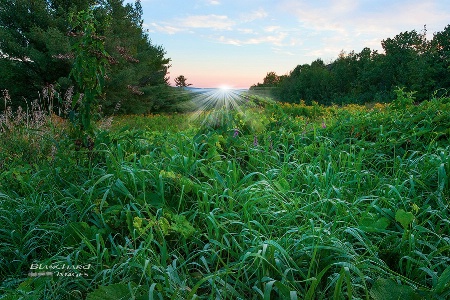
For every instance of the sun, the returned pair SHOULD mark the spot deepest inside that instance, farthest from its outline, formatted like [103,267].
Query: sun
[224,87]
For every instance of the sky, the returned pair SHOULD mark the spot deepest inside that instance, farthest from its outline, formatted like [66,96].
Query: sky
[235,43]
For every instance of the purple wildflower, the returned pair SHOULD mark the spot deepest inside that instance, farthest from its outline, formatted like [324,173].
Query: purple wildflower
[255,141]
[236,133]
[324,125]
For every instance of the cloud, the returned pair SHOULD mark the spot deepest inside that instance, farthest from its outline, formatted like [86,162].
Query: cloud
[217,22]
[214,22]
[230,41]
[213,2]
[282,51]
[165,28]
[246,30]
[272,39]
[324,52]
[356,18]
[271,28]
[254,15]
[322,16]
[352,25]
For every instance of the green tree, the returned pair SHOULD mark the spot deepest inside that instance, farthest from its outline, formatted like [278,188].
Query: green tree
[270,85]
[344,70]
[137,77]
[405,61]
[36,43]
[181,81]
[88,69]
[409,61]
[31,38]
[271,79]
[440,57]
[370,83]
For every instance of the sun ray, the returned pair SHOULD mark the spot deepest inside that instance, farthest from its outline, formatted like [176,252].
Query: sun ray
[214,106]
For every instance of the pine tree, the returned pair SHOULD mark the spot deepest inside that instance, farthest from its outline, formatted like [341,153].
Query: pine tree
[36,42]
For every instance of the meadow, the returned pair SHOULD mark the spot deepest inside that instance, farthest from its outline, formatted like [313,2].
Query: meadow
[268,201]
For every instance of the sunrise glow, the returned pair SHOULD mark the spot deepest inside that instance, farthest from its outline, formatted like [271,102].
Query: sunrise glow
[224,87]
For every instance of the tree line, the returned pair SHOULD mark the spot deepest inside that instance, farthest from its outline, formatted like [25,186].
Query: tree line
[38,42]
[409,61]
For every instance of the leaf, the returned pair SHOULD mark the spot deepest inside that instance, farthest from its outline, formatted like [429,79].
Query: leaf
[282,185]
[373,223]
[443,283]
[404,218]
[75,232]
[206,172]
[115,291]
[181,225]
[122,189]
[26,285]
[387,289]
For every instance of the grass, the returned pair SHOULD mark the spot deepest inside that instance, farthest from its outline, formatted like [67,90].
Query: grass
[300,202]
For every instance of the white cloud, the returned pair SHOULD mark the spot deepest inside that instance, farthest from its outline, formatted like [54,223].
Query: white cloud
[317,16]
[271,39]
[331,25]
[165,28]
[229,41]
[351,25]
[271,28]
[330,52]
[214,22]
[254,15]
[208,21]
[246,30]
[398,17]
[282,51]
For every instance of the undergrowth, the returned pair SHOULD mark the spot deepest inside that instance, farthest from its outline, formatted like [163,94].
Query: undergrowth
[315,203]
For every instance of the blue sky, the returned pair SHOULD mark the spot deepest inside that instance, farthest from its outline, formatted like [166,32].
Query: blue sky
[236,42]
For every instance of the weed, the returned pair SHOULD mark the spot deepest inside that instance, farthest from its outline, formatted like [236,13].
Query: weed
[300,202]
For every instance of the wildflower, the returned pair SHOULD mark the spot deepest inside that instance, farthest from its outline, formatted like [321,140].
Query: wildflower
[236,133]
[324,125]
[255,141]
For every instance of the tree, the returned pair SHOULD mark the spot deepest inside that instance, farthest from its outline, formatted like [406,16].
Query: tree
[405,61]
[344,73]
[88,69]
[30,37]
[36,41]
[440,52]
[137,77]
[180,81]
[409,61]
[271,79]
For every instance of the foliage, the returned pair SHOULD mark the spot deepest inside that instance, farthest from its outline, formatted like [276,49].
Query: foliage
[88,70]
[304,202]
[271,80]
[409,61]
[181,81]
[31,36]
[138,76]
[37,39]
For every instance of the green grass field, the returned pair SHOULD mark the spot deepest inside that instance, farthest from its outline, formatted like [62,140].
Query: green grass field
[275,202]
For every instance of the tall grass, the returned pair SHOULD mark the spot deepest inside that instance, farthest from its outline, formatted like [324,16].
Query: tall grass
[315,203]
